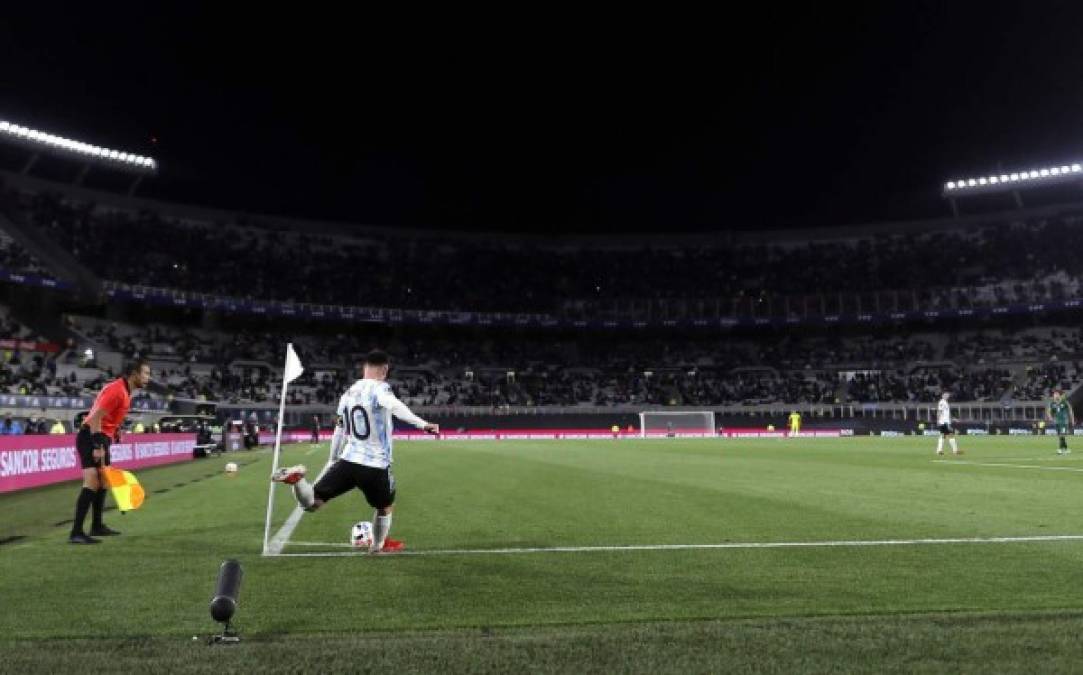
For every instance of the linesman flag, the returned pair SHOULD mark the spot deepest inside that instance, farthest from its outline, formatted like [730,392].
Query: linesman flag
[126,489]
[293,365]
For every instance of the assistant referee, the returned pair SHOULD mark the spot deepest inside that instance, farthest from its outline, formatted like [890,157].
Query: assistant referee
[99,430]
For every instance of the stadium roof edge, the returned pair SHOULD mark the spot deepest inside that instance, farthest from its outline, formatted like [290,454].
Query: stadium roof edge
[212,215]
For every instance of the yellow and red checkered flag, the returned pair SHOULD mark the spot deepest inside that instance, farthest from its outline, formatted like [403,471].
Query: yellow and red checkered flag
[126,489]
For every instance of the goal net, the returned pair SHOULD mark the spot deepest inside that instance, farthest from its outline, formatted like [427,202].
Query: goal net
[661,423]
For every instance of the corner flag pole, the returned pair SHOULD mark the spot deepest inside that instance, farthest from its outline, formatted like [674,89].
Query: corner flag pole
[290,372]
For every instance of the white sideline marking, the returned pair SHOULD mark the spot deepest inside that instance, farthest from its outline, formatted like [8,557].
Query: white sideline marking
[279,540]
[1008,466]
[687,547]
[1057,458]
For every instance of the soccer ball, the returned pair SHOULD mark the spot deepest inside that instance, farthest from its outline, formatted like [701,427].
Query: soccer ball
[361,535]
[231,468]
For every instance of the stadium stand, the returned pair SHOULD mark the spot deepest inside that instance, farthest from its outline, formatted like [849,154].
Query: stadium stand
[14,259]
[962,268]
[533,370]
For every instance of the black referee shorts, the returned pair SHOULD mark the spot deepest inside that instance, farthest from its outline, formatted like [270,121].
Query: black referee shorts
[84,445]
[947,430]
[378,485]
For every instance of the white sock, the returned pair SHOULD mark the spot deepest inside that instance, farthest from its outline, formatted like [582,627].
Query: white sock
[954,448]
[302,491]
[381,525]
[940,445]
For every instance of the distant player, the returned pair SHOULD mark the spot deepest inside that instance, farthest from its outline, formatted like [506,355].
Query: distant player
[361,446]
[1061,415]
[669,430]
[795,423]
[615,430]
[943,421]
[315,429]
[99,430]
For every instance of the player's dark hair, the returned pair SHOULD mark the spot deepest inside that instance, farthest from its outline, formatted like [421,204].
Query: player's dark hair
[134,366]
[377,357]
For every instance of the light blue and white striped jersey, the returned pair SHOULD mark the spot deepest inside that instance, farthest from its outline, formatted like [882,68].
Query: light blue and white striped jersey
[366,413]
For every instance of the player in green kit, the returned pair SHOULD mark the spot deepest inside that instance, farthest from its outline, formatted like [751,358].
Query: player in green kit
[1060,414]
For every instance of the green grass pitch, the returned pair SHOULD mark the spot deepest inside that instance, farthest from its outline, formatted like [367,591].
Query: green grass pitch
[911,602]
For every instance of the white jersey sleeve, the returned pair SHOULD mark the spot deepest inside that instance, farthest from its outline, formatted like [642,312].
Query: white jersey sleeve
[339,437]
[343,406]
[387,399]
[338,442]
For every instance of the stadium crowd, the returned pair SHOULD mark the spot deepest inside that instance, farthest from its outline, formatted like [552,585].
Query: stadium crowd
[926,384]
[535,369]
[963,268]
[960,268]
[16,259]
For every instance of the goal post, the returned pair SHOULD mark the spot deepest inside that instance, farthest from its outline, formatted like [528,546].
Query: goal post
[655,423]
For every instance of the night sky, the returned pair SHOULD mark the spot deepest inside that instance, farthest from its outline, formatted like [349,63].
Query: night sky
[560,122]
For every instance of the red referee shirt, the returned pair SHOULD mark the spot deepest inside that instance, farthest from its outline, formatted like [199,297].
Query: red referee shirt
[114,399]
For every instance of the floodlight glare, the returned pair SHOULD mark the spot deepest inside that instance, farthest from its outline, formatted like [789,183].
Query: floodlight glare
[53,142]
[998,182]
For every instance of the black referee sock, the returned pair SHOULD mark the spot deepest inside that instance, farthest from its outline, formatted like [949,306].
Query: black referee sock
[82,505]
[99,506]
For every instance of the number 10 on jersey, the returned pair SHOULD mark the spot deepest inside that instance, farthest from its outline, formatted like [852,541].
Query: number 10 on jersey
[357,423]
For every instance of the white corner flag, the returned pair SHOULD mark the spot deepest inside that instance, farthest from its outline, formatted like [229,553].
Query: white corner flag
[291,372]
[293,365]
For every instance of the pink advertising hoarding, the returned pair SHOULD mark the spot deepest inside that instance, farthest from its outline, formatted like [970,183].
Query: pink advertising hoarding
[268,438]
[30,461]
[580,434]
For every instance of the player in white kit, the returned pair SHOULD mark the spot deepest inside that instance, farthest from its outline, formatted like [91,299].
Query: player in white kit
[943,422]
[361,446]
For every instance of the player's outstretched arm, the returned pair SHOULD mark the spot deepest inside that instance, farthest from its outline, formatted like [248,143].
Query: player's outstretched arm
[403,412]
